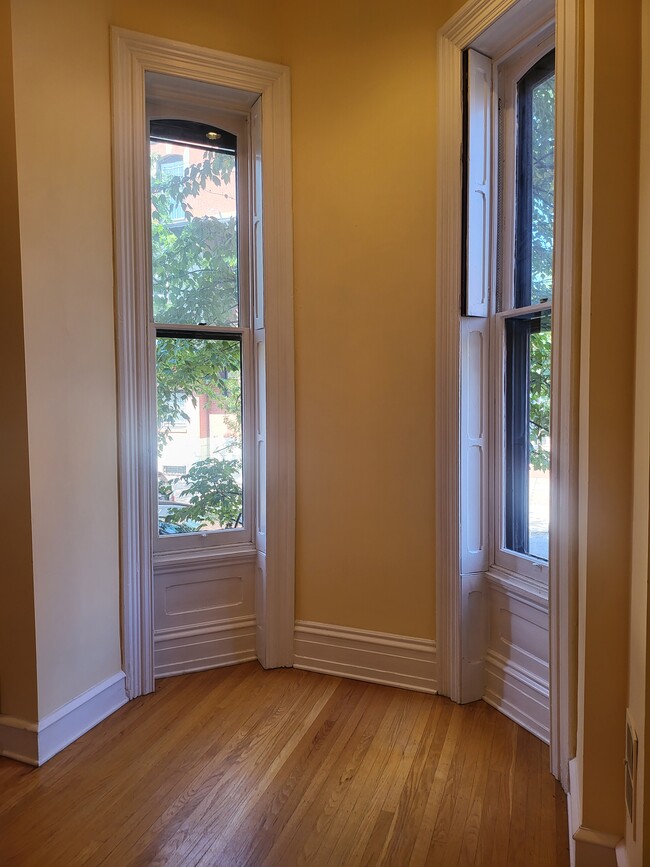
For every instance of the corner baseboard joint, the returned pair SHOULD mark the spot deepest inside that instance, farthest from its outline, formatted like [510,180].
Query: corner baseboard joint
[34,743]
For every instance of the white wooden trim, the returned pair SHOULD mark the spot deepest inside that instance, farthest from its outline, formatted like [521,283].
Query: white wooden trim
[378,657]
[448,255]
[195,560]
[479,184]
[563,552]
[78,716]
[466,26]
[474,444]
[518,587]
[19,739]
[472,19]
[35,743]
[183,650]
[589,847]
[516,680]
[134,54]
[573,808]
[136,509]
[621,854]
[517,693]
[238,125]
[475,634]
[278,605]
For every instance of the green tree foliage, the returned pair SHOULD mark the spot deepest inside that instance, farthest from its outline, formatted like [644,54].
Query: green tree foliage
[214,494]
[543,164]
[195,282]
[194,259]
[540,400]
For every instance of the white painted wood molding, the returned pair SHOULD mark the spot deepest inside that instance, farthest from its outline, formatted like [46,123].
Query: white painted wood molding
[456,35]
[378,657]
[181,651]
[588,846]
[133,55]
[36,743]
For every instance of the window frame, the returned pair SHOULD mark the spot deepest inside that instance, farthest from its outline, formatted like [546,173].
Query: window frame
[238,124]
[507,72]
[493,26]
[263,88]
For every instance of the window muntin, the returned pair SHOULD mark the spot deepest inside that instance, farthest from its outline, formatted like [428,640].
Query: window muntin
[201,335]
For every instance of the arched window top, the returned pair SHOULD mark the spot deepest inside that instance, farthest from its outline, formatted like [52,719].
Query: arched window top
[193,133]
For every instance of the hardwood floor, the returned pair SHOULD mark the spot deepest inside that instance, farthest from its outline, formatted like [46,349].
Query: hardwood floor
[243,766]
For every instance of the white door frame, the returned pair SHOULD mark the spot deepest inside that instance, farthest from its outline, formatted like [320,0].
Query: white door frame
[471,21]
[134,54]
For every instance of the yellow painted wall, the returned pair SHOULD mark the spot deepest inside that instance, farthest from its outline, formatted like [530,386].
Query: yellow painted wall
[64,180]
[364,158]
[612,70]
[363,78]
[63,129]
[251,28]
[17,637]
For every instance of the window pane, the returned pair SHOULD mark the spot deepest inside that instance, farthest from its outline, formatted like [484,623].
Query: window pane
[171,167]
[199,434]
[535,184]
[527,433]
[543,100]
[194,234]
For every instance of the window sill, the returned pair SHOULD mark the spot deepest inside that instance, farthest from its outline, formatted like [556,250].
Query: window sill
[518,586]
[165,561]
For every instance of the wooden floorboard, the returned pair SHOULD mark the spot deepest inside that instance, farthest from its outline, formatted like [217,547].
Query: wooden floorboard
[241,766]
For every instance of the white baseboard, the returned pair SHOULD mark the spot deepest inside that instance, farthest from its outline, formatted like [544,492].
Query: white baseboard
[517,693]
[573,808]
[589,847]
[621,855]
[181,650]
[80,715]
[35,743]
[19,739]
[379,657]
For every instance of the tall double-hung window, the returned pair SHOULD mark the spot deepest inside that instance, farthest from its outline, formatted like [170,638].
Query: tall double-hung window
[200,331]
[522,370]
[509,283]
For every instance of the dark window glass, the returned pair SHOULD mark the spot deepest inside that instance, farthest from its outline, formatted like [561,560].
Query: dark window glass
[535,183]
[527,433]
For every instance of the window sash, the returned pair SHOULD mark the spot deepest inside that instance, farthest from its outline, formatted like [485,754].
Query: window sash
[543,69]
[234,123]
[506,502]
[502,557]
[519,331]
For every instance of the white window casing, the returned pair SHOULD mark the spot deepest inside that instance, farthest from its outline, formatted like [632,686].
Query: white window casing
[496,28]
[259,90]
